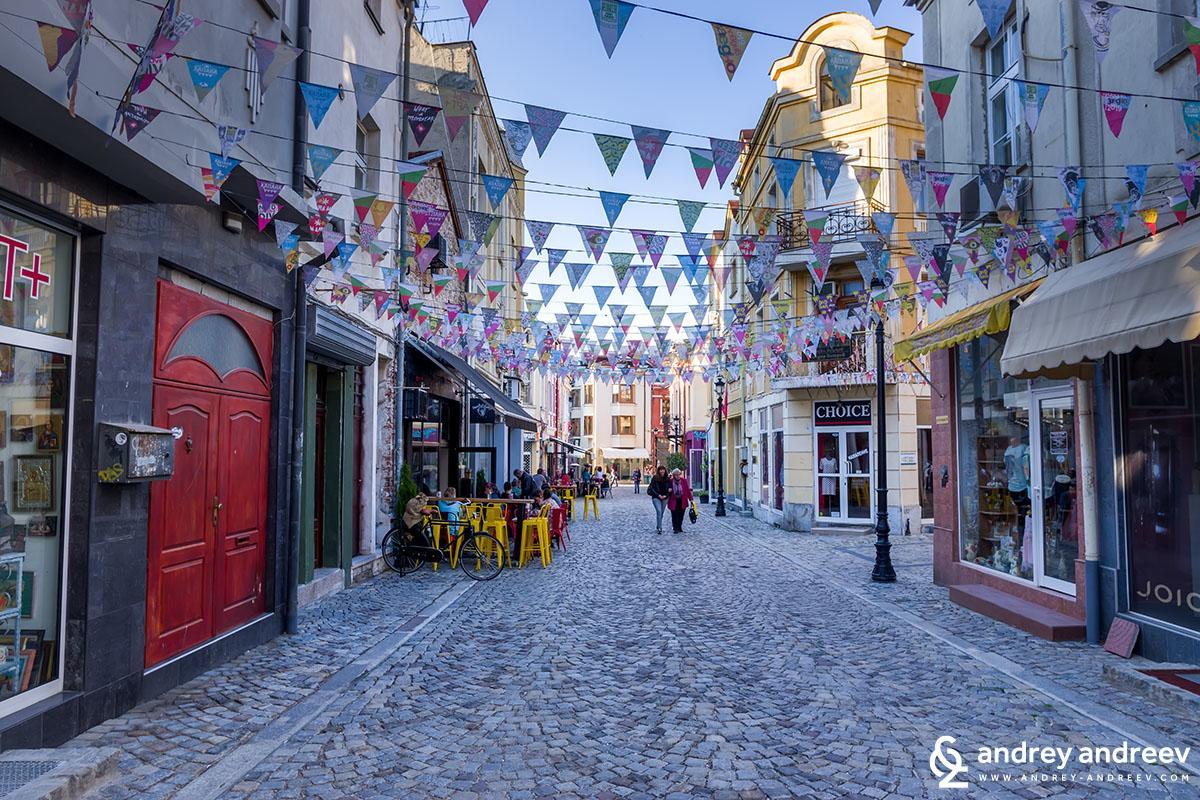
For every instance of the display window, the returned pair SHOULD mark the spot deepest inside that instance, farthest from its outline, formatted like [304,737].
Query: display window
[36,358]
[1160,404]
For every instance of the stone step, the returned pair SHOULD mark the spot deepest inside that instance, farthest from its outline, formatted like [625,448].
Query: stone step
[1022,614]
[63,774]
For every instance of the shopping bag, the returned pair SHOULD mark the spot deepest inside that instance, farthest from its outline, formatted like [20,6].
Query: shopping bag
[693,514]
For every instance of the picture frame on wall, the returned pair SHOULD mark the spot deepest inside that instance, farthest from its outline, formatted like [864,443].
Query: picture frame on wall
[43,526]
[51,383]
[33,483]
[21,427]
[49,433]
[7,363]
[27,659]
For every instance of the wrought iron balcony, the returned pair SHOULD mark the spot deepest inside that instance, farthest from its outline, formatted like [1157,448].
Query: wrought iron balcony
[846,221]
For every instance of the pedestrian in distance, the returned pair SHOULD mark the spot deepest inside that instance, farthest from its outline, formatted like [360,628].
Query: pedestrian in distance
[637,481]
[679,499]
[659,492]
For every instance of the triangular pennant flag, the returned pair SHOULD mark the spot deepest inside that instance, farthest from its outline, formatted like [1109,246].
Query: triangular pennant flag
[611,18]
[474,9]
[330,240]
[829,166]
[647,293]
[543,123]
[1116,106]
[320,158]
[594,239]
[868,179]
[992,176]
[671,277]
[135,117]
[1099,16]
[496,187]
[410,176]
[613,202]
[230,136]
[285,236]
[420,120]
[483,226]
[272,59]
[693,242]
[576,273]
[556,258]
[815,220]
[57,42]
[205,76]
[656,246]
[539,232]
[689,212]
[885,223]
[1187,177]
[994,12]
[548,290]
[949,223]
[842,67]
[914,173]
[519,134]
[1033,98]
[612,148]
[369,86]
[602,294]
[380,210]
[222,168]
[731,46]
[459,102]
[786,170]
[1073,184]
[1191,37]
[940,183]
[941,82]
[650,143]
[702,162]
[1191,118]
[725,157]
[1149,219]
[317,99]
[1135,181]
[641,239]
[267,207]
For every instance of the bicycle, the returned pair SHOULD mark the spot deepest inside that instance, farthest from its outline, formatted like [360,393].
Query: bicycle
[480,555]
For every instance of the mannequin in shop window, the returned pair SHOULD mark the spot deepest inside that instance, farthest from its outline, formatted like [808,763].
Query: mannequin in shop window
[829,502]
[1016,467]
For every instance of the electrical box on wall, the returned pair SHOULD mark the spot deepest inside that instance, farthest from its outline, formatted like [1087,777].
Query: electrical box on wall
[132,453]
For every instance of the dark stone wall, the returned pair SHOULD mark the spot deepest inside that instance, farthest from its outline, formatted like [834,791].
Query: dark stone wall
[126,245]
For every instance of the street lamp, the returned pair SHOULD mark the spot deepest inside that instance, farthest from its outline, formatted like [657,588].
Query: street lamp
[720,387]
[883,571]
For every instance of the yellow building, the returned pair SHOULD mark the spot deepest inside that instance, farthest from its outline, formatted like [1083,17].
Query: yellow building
[800,446]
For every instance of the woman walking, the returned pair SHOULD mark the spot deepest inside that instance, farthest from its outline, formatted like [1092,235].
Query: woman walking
[659,490]
[679,498]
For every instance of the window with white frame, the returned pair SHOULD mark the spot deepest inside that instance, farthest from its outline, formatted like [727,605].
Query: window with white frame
[1002,56]
[366,155]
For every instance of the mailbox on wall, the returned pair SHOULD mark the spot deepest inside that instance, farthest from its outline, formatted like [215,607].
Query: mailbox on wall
[131,453]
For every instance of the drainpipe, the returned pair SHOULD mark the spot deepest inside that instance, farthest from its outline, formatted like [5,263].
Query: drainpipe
[398,441]
[1083,394]
[299,335]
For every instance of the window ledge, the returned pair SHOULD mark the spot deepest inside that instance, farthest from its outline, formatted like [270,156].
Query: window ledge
[1168,58]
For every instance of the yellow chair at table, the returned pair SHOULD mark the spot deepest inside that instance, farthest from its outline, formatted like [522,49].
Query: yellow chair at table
[439,530]
[589,499]
[568,497]
[535,538]
[493,522]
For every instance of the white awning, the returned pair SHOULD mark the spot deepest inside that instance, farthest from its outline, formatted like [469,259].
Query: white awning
[1139,296]
[613,453]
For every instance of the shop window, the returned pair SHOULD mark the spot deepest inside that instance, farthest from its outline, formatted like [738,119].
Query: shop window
[1161,440]
[35,391]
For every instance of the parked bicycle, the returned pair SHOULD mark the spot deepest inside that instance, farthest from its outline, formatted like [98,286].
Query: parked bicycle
[478,554]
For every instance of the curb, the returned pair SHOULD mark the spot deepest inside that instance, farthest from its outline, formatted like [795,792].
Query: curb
[79,771]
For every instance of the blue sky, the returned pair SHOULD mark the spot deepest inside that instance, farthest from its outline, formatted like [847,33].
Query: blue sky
[665,73]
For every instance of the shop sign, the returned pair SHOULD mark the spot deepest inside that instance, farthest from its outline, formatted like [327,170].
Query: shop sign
[31,271]
[842,412]
[483,411]
[833,350]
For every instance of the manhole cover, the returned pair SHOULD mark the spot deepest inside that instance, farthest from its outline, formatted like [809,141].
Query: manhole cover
[15,774]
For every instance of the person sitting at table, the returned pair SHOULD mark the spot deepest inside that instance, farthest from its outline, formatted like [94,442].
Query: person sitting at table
[550,499]
[490,492]
[506,492]
[450,506]
[415,511]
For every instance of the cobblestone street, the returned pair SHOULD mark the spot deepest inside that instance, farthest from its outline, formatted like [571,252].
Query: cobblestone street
[732,661]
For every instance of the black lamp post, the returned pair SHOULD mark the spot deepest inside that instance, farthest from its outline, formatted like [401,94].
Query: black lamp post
[720,386]
[883,572]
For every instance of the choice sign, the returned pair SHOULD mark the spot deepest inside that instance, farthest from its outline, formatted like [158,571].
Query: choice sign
[842,412]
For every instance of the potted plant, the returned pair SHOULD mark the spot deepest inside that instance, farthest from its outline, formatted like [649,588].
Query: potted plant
[702,495]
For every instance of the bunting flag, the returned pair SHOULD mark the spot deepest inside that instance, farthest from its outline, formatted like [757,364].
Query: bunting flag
[689,212]
[79,15]
[272,59]
[380,210]
[940,183]
[702,163]
[474,9]
[410,176]
[459,102]
[285,236]
[1116,106]
[576,273]
[230,136]
[602,294]
[641,239]
[556,258]
[171,27]
[613,202]
[612,148]
[369,86]
[829,166]
[427,217]
[914,173]
[818,273]
[1191,37]
[1033,98]
[992,176]
[205,76]
[885,223]
[1187,177]
[611,18]
[594,239]
[868,179]
[420,119]
[671,277]
[330,240]
[483,226]
[647,293]
[1099,16]
[320,158]
[1179,205]
[1191,117]
[656,245]
[949,223]
[211,190]
[1135,181]
[268,191]
[650,143]
[994,13]
[496,187]
[56,43]
[494,289]
[133,118]
[786,170]
[1073,184]
[941,82]
[519,134]
[544,123]
[725,157]
[731,46]
[1149,217]
[317,99]
[539,232]
[842,67]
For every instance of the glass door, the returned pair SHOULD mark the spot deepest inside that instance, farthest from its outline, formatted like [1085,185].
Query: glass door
[858,474]
[1054,500]
[844,474]
[829,474]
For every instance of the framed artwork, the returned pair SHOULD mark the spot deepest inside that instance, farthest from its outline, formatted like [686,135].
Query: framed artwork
[49,433]
[43,526]
[26,661]
[46,666]
[51,383]
[34,483]
[32,640]
[21,427]
[7,365]
[26,595]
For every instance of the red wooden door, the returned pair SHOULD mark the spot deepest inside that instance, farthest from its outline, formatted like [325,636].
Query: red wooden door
[207,536]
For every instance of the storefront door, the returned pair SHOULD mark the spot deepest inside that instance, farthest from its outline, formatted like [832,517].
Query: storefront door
[1053,490]
[207,532]
[844,473]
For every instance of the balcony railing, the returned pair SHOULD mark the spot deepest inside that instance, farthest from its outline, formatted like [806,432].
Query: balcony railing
[846,221]
[847,362]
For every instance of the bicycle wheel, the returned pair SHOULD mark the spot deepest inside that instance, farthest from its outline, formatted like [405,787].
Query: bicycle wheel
[481,556]
[398,556]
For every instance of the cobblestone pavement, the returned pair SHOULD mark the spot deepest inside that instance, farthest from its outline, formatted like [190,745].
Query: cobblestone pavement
[731,661]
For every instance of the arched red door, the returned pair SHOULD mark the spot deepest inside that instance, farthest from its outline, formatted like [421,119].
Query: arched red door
[207,534]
